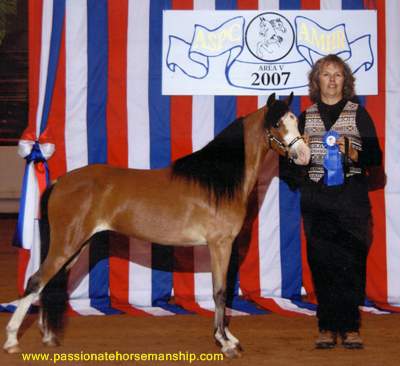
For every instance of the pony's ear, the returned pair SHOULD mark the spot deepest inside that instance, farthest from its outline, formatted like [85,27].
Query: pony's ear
[271,100]
[290,99]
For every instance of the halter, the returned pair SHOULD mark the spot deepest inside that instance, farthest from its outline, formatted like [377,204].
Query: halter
[275,112]
[283,149]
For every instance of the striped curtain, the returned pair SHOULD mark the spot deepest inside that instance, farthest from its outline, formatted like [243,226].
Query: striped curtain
[95,95]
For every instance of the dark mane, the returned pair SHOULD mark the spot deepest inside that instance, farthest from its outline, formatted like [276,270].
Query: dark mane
[218,166]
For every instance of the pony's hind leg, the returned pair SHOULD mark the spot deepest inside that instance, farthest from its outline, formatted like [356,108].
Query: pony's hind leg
[53,304]
[36,284]
[49,337]
[31,295]
[220,253]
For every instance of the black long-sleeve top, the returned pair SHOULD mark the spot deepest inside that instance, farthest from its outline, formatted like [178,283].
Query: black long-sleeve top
[370,156]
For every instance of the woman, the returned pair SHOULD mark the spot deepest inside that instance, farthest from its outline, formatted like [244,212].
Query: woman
[334,201]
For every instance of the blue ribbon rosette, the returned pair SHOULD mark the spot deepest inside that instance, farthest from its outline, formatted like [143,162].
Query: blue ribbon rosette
[36,178]
[332,163]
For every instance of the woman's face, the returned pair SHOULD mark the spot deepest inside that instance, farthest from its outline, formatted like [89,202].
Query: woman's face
[331,80]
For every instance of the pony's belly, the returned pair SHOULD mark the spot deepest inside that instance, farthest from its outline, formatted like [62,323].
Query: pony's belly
[171,236]
[193,243]
[183,241]
[187,244]
[175,242]
[193,236]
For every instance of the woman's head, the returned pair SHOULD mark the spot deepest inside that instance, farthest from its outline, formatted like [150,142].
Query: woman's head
[330,80]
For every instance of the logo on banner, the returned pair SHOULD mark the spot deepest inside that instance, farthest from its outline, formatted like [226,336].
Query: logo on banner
[269,37]
[267,52]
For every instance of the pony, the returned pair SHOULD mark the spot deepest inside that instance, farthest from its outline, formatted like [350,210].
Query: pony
[200,199]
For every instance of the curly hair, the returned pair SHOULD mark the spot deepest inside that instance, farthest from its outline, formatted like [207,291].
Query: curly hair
[313,77]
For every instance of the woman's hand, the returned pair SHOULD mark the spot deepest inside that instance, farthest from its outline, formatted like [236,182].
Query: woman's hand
[353,153]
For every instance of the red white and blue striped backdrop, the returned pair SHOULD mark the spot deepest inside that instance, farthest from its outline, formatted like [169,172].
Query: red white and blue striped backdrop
[95,93]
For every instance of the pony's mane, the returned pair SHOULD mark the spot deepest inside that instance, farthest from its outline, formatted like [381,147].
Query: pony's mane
[219,166]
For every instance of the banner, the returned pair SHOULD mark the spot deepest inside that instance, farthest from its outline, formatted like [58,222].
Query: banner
[248,52]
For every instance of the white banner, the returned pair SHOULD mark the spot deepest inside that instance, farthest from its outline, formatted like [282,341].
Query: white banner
[251,52]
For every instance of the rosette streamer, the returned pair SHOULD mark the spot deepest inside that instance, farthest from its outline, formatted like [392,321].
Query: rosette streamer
[36,179]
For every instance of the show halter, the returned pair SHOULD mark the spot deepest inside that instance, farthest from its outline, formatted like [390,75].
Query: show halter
[284,149]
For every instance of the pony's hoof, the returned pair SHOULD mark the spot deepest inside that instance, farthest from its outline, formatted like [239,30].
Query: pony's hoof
[12,349]
[51,342]
[232,352]
[239,347]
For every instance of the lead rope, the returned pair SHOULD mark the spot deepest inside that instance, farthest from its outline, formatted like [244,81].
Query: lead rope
[346,156]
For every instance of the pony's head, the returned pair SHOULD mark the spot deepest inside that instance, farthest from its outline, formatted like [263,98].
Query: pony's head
[282,130]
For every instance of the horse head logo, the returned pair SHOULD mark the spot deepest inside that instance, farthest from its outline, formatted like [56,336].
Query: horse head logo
[269,36]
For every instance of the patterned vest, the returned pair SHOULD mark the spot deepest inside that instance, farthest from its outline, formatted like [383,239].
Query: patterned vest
[344,126]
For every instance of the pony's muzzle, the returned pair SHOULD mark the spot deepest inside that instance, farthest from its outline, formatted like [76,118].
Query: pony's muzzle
[300,153]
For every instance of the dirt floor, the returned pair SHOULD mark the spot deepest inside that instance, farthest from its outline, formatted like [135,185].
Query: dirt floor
[267,340]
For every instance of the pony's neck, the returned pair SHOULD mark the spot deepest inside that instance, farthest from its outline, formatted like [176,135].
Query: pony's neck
[256,147]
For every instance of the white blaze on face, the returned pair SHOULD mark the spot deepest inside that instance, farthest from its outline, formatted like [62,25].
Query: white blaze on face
[299,151]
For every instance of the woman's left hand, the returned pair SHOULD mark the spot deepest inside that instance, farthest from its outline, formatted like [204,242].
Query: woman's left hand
[353,153]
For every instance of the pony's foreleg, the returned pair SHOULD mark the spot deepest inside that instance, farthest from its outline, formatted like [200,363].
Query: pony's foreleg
[220,253]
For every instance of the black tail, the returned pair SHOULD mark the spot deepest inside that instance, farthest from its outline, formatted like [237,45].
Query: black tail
[54,295]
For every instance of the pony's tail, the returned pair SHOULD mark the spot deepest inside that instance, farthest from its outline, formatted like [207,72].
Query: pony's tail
[54,295]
